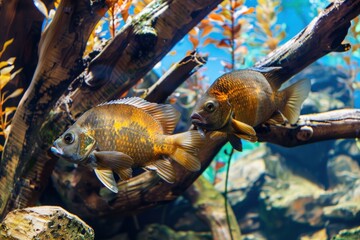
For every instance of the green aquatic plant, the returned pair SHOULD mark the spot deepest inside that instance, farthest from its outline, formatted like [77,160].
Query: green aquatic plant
[6,75]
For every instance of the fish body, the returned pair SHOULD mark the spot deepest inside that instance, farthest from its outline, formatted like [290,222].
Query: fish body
[238,101]
[127,133]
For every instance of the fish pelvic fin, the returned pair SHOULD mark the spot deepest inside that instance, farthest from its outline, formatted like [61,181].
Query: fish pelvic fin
[106,177]
[235,142]
[163,168]
[243,130]
[294,96]
[165,114]
[187,145]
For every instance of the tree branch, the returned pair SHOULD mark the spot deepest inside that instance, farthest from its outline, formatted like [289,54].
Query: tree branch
[163,191]
[311,128]
[174,77]
[126,60]
[60,54]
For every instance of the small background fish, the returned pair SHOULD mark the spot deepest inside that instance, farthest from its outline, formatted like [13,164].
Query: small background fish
[240,100]
[126,133]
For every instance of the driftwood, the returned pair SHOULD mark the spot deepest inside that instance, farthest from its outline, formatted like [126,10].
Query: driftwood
[113,72]
[127,60]
[330,26]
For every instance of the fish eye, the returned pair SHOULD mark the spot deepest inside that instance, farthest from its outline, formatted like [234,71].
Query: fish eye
[69,138]
[210,106]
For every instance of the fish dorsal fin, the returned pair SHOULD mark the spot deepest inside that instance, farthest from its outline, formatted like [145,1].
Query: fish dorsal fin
[165,114]
[164,169]
[235,142]
[295,96]
[113,160]
[271,74]
[107,178]
[242,128]
[276,118]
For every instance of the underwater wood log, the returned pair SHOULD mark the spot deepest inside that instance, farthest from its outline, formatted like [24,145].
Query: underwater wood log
[323,35]
[164,192]
[209,206]
[126,61]
[344,123]
[171,191]
[22,22]
[60,61]
[340,10]
[45,222]
[174,77]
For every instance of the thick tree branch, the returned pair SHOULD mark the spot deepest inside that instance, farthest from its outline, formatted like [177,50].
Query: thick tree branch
[311,128]
[125,60]
[60,60]
[323,35]
[163,191]
[174,77]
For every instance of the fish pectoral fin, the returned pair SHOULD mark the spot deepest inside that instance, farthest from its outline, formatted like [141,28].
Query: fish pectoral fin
[276,118]
[235,142]
[124,174]
[107,178]
[164,169]
[113,160]
[243,129]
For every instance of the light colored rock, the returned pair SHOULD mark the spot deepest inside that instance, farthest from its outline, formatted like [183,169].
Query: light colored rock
[45,222]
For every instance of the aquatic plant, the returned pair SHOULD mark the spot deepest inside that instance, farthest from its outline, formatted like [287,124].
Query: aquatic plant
[6,75]
[268,33]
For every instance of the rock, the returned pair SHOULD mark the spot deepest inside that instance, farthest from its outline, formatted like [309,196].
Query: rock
[346,211]
[244,179]
[348,234]
[320,234]
[163,232]
[290,205]
[45,222]
[342,170]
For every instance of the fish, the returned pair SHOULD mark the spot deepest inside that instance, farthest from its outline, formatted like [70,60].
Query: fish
[240,100]
[117,136]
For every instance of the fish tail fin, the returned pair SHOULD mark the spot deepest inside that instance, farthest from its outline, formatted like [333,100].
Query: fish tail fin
[187,145]
[294,96]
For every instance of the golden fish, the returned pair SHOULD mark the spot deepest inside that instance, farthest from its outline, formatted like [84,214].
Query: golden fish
[238,101]
[126,133]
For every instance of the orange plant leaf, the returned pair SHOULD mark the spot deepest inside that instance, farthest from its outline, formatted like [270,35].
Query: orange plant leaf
[206,30]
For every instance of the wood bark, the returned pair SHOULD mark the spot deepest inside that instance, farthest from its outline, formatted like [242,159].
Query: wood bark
[209,205]
[119,66]
[60,60]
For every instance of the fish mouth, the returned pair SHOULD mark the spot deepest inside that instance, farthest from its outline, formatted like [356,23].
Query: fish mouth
[197,119]
[56,151]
